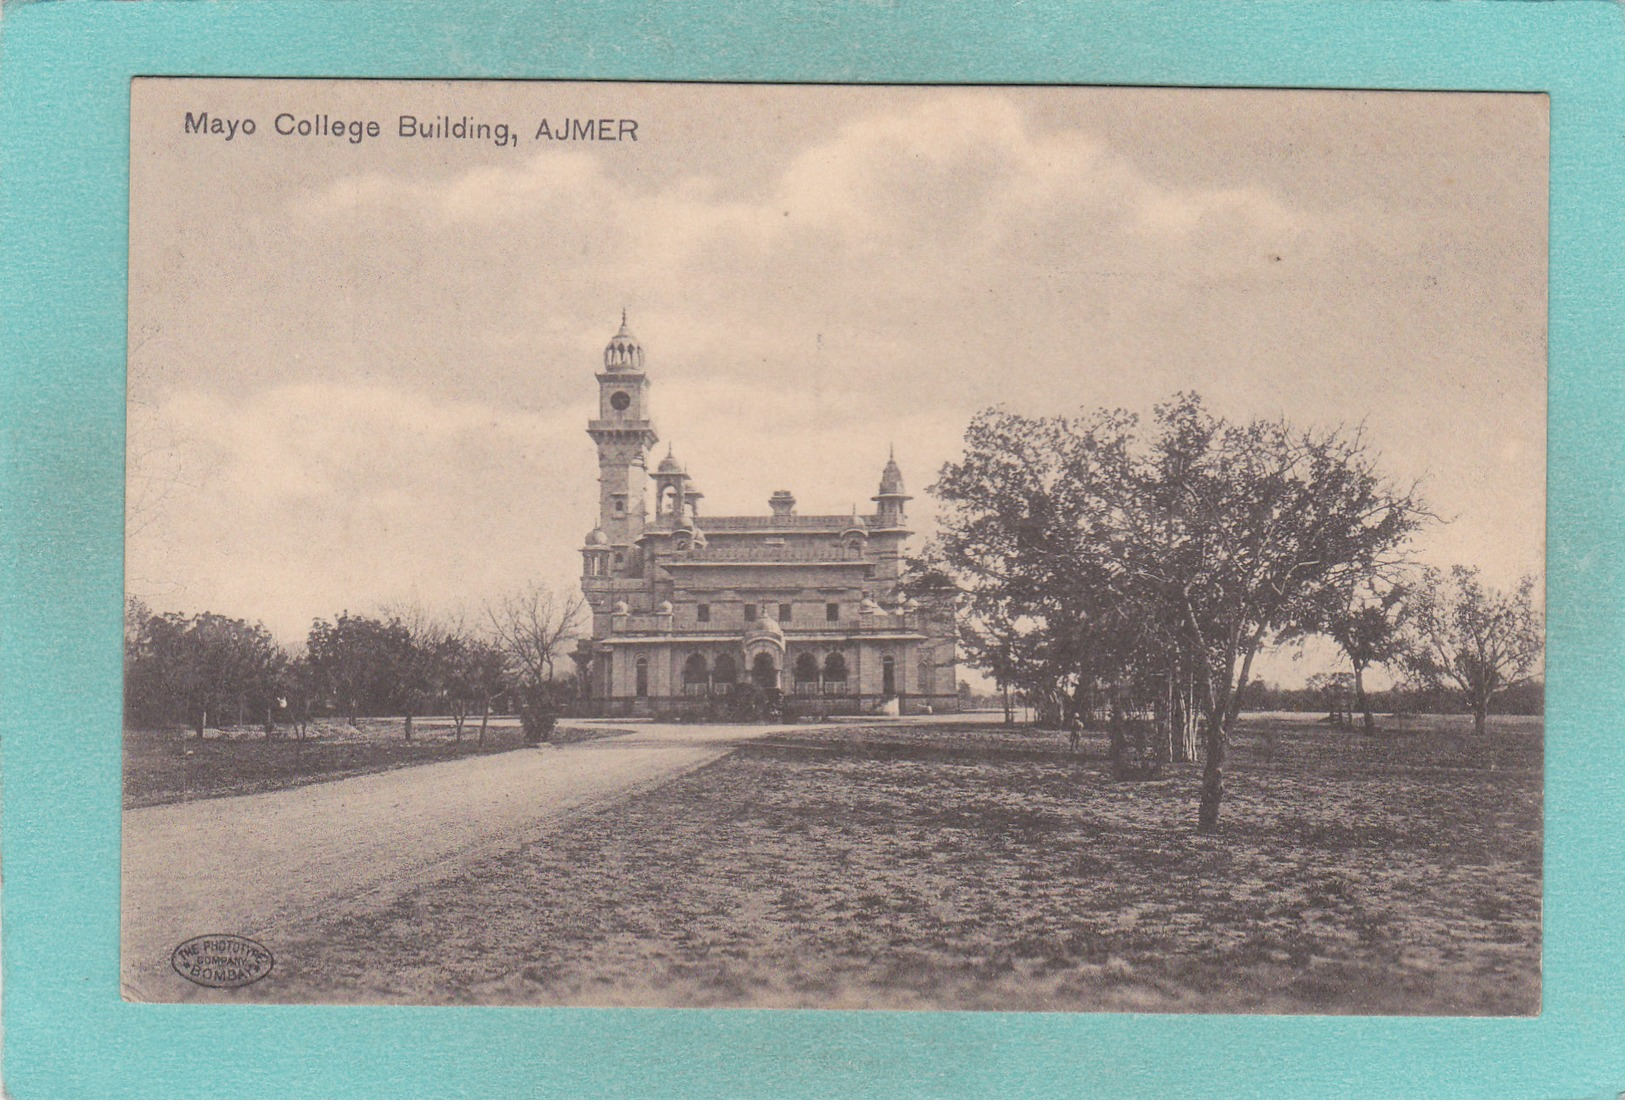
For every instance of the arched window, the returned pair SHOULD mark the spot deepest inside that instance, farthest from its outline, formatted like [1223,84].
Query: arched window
[694,670]
[806,672]
[668,500]
[763,672]
[835,667]
[888,676]
[643,676]
[726,670]
[620,560]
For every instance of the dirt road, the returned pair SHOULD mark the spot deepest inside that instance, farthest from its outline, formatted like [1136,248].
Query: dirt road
[257,865]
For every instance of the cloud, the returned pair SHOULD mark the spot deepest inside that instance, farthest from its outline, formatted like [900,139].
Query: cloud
[314,498]
[371,373]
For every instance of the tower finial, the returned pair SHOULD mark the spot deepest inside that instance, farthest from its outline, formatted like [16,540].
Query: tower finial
[623,316]
[891,451]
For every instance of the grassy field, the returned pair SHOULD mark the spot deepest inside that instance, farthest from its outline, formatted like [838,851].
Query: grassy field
[991,869]
[167,765]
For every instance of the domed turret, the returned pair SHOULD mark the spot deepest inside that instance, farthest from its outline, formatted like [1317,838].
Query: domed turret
[623,353]
[670,465]
[891,479]
[597,539]
[766,626]
[892,495]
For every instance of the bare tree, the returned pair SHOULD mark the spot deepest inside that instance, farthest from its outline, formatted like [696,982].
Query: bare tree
[1473,638]
[533,626]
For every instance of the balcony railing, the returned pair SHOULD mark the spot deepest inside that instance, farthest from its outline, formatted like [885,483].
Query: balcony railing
[799,521]
[785,553]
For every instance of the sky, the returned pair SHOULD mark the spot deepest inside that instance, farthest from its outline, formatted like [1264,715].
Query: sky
[360,372]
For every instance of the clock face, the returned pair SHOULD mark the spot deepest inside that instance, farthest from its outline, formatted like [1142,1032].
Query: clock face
[620,400]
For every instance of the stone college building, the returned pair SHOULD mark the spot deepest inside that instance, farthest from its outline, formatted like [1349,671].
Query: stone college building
[690,606]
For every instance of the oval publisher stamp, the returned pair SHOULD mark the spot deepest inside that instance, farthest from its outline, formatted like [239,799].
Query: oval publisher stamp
[222,961]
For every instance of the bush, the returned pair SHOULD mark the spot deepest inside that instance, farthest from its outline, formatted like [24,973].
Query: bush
[538,715]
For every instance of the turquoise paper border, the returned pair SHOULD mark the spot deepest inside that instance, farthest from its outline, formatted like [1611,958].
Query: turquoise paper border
[64,102]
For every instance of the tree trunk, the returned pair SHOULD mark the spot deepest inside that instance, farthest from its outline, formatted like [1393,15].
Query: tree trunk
[202,722]
[1362,702]
[485,717]
[1207,815]
[409,728]
[1117,736]
[1480,714]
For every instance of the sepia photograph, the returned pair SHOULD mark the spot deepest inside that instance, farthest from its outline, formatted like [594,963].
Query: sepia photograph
[912,547]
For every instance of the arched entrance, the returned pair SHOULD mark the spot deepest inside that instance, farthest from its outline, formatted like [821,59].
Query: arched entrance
[763,672]
[888,676]
[806,672]
[694,674]
[643,677]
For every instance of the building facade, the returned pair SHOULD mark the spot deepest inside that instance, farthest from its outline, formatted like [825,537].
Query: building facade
[688,607]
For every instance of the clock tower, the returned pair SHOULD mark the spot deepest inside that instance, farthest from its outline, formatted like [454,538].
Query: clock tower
[624,434]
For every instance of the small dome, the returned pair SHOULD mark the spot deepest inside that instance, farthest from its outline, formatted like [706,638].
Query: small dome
[699,538]
[623,353]
[664,609]
[670,465]
[597,539]
[855,526]
[622,607]
[766,625]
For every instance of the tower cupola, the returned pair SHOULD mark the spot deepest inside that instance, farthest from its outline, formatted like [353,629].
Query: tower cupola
[671,484]
[892,495]
[623,353]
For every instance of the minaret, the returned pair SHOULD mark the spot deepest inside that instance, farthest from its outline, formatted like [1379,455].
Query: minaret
[892,496]
[623,433]
[891,527]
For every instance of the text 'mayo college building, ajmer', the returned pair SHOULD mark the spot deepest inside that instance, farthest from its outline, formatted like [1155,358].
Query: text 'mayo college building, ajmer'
[686,607]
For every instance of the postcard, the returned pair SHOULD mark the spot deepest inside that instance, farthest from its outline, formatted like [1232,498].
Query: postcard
[624,551]
[950,548]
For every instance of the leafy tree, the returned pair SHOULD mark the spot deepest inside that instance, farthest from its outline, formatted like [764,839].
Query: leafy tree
[298,694]
[1473,638]
[1368,621]
[198,667]
[1101,558]
[1027,533]
[1333,689]
[1239,527]
[361,663]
